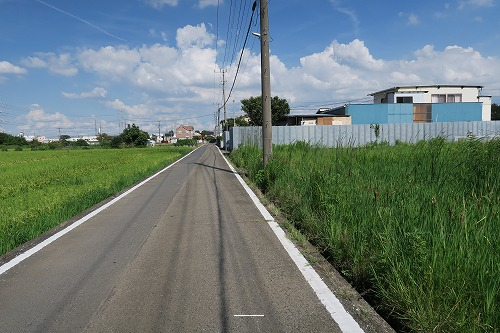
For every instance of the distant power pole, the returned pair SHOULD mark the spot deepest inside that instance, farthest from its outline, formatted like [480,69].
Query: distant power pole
[234,117]
[218,120]
[224,99]
[265,68]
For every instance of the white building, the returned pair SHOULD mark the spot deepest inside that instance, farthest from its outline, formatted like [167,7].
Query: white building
[435,94]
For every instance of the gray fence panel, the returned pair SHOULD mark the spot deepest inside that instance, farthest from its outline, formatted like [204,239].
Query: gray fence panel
[359,135]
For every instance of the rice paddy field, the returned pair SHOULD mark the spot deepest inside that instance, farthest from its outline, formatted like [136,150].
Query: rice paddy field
[414,227]
[41,189]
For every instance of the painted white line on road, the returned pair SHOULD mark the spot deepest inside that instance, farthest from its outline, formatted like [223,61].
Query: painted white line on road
[16,260]
[249,315]
[337,311]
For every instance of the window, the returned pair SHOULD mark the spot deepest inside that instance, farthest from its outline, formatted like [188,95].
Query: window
[450,98]
[438,98]
[404,99]
[454,98]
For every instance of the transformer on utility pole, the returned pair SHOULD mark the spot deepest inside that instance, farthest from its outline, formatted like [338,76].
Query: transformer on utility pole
[265,68]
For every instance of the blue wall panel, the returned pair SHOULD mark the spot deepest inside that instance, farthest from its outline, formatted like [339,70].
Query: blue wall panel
[400,113]
[444,112]
[403,113]
[368,113]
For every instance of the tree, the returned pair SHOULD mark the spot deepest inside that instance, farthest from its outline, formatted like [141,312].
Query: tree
[7,139]
[81,143]
[241,121]
[495,111]
[132,136]
[104,139]
[253,109]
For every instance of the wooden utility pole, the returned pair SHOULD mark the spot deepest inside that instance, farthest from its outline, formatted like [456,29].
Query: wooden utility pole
[224,100]
[265,68]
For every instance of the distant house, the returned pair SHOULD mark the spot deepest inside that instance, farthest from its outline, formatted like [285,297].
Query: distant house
[420,104]
[184,132]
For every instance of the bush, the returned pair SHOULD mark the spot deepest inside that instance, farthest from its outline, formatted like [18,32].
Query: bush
[186,142]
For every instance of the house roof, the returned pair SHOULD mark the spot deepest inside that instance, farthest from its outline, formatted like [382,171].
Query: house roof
[395,89]
[337,111]
[187,128]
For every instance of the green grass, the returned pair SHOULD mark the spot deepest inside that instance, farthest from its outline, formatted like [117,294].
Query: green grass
[41,189]
[414,227]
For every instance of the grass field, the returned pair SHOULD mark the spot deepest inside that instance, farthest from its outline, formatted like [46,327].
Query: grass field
[415,228]
[41,189]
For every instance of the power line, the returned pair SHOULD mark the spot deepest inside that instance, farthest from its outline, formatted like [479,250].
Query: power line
[241,54]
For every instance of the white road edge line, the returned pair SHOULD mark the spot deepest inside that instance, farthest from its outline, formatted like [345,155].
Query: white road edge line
[255,315]
[16,260]
[337,311]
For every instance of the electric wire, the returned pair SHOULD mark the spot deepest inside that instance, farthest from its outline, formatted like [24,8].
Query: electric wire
[241,55]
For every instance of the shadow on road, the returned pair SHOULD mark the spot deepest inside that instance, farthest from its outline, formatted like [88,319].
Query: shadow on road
[213,167]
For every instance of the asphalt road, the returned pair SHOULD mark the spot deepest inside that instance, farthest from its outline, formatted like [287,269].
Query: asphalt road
[188,251]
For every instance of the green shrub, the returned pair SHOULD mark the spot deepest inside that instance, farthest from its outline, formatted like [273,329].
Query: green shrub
[186,142]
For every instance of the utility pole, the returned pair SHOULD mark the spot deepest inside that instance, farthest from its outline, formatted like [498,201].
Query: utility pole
[218,119]
[265,70]
[224,99]
[234,117]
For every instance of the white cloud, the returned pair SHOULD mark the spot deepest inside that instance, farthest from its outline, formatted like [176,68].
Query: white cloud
[161,3]
[476,3]
[205,3]
[113,62]
[34,62]
[162,35]
[443,14]
[413,19]
[337,4]
[98,92]
[8,68]
[56,64]
[194,36]
[158,69]
[37,118]
[132,110]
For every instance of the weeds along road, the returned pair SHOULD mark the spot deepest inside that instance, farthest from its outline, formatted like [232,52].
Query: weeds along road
[187,251]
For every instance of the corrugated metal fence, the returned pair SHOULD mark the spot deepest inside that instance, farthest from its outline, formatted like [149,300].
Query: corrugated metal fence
[359,135]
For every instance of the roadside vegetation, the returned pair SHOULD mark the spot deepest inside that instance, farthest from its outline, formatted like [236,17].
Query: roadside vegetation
[414,227]
[41,189]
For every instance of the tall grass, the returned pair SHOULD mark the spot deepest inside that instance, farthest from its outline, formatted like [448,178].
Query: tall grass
[413,227]
[41,189]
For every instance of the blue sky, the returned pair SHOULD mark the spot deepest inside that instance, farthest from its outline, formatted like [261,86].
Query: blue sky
[70,67]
